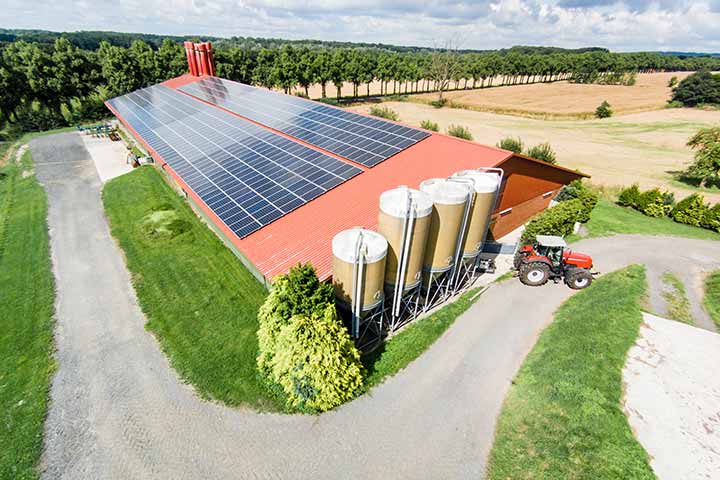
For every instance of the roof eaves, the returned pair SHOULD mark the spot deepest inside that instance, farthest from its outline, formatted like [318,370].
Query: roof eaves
[546,164]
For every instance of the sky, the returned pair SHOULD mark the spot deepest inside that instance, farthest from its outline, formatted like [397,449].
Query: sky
[624,25]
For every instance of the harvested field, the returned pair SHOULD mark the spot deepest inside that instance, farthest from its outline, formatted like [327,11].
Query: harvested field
[564,99]
[643,147]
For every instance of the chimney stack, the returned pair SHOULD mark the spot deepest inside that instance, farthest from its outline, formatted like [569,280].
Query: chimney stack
[200,58]
[190,55]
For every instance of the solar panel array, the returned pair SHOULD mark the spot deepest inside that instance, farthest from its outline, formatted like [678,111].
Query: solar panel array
[364,140]
[248,175]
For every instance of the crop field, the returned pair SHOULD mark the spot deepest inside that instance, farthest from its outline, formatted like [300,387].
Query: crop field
[564,99]
[648,148]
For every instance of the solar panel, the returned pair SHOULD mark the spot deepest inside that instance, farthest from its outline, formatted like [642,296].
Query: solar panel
[364,140]
[248,175]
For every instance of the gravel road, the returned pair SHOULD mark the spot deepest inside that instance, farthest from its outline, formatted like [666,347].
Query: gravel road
[119,411]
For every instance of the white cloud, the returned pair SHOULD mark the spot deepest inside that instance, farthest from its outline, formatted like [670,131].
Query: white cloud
[617,24]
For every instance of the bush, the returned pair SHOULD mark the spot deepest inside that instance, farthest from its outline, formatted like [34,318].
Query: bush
[460,132]
[630,196]
[429,125]
[304,350]
[384,112]
[604,110]
[297,293]
[512,144]
[577,190]
[558,220]
[542,152]
[653,203]
[316,363]
[439,103]
[711,219]
[691,210]
[673,81]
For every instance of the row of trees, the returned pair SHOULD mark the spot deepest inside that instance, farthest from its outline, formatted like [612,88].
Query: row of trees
[43,85]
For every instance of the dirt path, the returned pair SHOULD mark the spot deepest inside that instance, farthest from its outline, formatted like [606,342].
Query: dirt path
[672,392]
[643,147]
[119,411]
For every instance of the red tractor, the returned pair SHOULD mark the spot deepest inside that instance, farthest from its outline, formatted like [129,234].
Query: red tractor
[549,258]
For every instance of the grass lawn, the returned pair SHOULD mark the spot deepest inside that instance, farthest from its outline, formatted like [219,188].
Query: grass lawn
[200,301]
[609,219]
[712,296]
[562,417]
[678,305]
[413,340]
[26,320]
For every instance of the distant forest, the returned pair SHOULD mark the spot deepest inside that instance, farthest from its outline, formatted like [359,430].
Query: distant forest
[50,79]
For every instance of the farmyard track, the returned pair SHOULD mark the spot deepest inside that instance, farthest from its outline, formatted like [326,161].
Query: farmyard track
[119,411]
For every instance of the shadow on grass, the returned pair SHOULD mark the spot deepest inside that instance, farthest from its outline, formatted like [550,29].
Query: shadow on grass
[681,179]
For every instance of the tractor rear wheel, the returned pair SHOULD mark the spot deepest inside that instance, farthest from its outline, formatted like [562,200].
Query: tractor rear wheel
[578,278]
[534,274]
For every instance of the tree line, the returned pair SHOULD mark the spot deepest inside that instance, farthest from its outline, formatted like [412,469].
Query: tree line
[45,85]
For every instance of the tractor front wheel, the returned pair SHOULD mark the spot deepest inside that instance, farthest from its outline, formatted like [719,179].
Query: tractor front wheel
[534,274]
[578,278]
[518,259]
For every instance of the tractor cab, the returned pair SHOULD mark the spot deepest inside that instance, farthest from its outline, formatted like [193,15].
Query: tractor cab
[549,258]
[552,247]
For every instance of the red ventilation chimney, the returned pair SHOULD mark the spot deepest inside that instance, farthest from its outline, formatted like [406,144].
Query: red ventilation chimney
[190,55]
[200,58]
[211,61]
[204,65]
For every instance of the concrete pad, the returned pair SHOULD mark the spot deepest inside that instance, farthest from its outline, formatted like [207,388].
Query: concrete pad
[672,398]
[109,157]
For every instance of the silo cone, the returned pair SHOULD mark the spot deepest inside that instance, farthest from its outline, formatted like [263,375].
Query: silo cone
[372,248]
[449,200]
[485,186]
[394,214]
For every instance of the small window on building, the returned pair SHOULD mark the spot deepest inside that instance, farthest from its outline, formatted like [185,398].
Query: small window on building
[547,194]
[505,212]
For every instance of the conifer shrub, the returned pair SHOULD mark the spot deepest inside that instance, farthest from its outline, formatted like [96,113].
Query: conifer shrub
[316,362]
[305,353]
[653,203]
[299,292]
[711,218]
[691,210]
[630,196]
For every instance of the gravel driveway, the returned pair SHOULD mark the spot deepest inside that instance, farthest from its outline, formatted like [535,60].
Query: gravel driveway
[119,411]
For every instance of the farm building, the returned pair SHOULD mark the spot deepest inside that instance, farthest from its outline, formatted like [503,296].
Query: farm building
[279,176]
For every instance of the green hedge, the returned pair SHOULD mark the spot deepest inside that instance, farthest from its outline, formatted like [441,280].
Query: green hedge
[578,190]
[576,203]
[692,210]
[558,220]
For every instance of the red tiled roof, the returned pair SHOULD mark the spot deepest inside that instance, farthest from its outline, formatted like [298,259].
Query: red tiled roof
[305,234]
